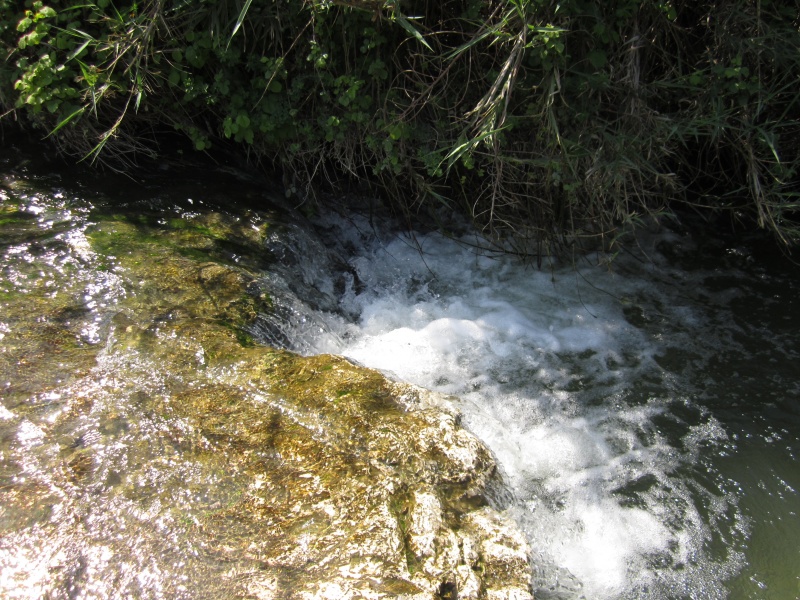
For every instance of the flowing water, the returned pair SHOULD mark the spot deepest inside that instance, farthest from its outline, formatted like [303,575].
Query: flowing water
[645,413]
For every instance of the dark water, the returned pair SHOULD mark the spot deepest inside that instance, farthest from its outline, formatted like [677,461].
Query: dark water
[747,375]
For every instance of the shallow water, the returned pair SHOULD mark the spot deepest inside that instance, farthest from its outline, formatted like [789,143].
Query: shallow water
[101,487]
[150,449]
[645,413]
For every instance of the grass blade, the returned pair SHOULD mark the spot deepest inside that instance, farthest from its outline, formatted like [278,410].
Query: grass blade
[240,20]
[405,24]
[67,119]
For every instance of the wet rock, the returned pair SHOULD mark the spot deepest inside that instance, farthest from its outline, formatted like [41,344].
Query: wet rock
[179,460]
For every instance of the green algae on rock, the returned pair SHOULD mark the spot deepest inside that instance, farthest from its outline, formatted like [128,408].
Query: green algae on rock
[146,451]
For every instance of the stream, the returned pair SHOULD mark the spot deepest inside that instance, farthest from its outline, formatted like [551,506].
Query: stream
[644,411]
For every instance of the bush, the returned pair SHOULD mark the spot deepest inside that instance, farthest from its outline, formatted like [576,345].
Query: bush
[546,122]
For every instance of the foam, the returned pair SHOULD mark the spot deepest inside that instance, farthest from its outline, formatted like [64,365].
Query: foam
[543,364]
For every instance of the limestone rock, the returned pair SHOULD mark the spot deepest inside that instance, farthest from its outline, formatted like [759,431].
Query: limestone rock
[170,457]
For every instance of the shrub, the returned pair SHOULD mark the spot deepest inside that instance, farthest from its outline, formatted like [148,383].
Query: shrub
[546,122]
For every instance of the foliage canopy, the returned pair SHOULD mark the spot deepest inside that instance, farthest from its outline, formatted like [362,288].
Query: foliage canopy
[546,122]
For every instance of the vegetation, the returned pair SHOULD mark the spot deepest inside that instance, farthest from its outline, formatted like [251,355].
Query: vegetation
[546,122]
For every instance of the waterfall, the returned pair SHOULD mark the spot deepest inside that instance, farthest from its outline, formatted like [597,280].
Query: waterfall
[593,385]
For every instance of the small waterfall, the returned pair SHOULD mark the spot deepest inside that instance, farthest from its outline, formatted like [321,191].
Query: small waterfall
[645,414]
[596,387]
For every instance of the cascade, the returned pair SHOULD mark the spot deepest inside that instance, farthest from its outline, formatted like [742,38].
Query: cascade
[604,392]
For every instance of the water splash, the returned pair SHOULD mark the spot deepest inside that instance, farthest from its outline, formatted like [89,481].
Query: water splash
[574,378]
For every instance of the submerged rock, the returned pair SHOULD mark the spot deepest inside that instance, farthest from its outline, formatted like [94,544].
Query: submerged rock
[150,449]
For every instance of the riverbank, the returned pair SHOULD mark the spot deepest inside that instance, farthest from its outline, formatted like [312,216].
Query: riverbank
[549,126]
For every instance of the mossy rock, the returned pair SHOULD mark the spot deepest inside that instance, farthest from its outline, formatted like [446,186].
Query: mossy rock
[148,452]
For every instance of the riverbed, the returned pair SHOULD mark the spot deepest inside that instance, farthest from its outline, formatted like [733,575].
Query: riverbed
[644,411]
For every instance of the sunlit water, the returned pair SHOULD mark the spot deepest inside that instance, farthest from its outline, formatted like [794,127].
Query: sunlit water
[102,485]
[645,414]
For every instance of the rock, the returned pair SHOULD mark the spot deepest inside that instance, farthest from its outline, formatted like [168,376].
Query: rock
[180,460]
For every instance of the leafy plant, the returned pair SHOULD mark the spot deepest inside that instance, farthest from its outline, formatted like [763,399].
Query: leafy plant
[547,123]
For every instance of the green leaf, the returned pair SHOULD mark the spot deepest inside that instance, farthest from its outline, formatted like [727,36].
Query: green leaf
[78,50]
[598,59]
[465,147]
[77,112]
[89,75]
[396,131]
[769,140]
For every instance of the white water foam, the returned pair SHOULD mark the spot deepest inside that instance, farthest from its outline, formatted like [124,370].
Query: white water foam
[566,392]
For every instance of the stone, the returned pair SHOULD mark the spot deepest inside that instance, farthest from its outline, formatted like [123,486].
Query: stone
[171,456]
